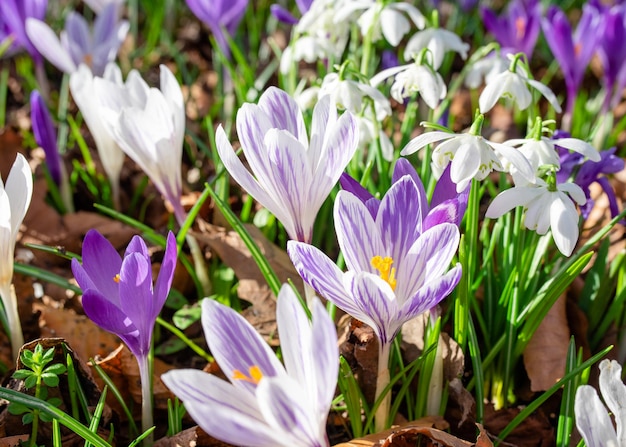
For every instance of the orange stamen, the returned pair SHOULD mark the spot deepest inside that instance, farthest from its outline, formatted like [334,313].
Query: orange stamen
[255,375]
[116,278]
[387,273]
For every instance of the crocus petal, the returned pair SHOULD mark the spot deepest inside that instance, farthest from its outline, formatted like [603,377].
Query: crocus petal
[136,298]
[326,352]
[592,419]
[284,112]
[107,315]
[614,393]
[227,331]
[45,134]
[19,187]
[76,39]
[166,274]
[430,295]
[49,45]
[282,14]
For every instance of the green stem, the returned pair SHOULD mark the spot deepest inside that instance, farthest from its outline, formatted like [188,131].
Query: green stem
[35,424]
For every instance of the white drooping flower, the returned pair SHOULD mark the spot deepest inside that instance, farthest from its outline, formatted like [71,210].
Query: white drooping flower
[547,206]
[438,41]
[391,20]
[592,419]
[351,95]
[412,78]
[484,69]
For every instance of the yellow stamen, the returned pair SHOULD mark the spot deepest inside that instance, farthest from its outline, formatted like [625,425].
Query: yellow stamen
[116,278]
[387,273]
[255,375]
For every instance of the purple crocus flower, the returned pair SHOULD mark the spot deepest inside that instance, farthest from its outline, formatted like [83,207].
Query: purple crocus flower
[14,14]
[77,45]
[446,205]
[45,134]
[517,28]
[265,404]
[282,14]
[292,176]
[572,51]
[612,53]
[220,16]
[118,295]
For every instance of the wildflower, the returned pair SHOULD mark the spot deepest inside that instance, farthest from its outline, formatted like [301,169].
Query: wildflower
[99,5]
[515,84]
[149,125]
[292,176]
[446,205]
[438,41]
[15,198]
[412,78]
[547,205]
[592,419]
[118,295]
[77,45]
[350,95]
[265,404]
[572,51]
[388,20]
[285,16]
[15,14]
[83,90]
[220,16]
[45,135]
[486,68]
[517,29]
[471,155]
[612,53]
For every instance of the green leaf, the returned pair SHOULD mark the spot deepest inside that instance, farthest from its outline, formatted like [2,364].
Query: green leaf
[17,409]
[51,380]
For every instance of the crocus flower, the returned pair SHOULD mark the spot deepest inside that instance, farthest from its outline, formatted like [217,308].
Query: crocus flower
[391,20]
[292,176]
[220,16]
[15,198]
[265,404]
[83,91]
[118,295]
[446,205]
[572,51]
[471,156]
[149,125]
[45,134]
[396,271]
[612,53]
[592,418]
[14,14]
[547,206]
[517,28]
[285,16]
[77,45]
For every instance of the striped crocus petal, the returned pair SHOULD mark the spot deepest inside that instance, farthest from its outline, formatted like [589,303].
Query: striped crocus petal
[592,419]
[284,113]
[228,413]
[227,332]
[614,394]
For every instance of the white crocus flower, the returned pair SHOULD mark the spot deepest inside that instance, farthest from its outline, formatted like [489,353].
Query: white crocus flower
[83,92]
[516,86]
[350,95]
[149,126]
[438,41]
[471,156]
[383,19]
[411,78]
[592,419]
[15,198]
[541,152]
[547,207]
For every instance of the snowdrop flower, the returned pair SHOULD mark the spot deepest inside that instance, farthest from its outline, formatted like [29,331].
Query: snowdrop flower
[388,19]
[15,198]
[592,419]
[484,69]
[514,84]
[412,78]
[547,206]
[471,155]
[350,95]
[292,175]
[369,131]
[438,41]
[149,125]
[82,86]
[77,45]
[265,404]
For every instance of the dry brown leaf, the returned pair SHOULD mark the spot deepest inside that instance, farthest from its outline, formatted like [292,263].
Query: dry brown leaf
[376,439]
[15,441]
[545,354]
[192,437]
[252,285]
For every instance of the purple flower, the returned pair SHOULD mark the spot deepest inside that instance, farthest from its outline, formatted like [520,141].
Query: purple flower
[45,134]
[517,28]
[265,404]
[14,15]
[572,51]
[612,53]
[77,45]
[446,205]
[219,16]
[285,16]
[292,176]
[118,294]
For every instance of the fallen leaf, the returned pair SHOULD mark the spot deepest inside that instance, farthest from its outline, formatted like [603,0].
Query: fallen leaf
[192,437]
[545,354]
